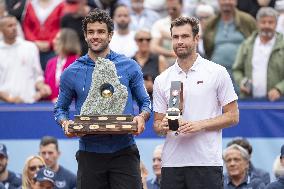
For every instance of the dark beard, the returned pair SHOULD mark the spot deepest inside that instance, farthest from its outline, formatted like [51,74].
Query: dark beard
[102,49]
[123,26]
[3,169]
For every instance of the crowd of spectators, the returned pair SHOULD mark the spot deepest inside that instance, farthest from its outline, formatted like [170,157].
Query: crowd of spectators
[239,171]
[34,32]
[40,38]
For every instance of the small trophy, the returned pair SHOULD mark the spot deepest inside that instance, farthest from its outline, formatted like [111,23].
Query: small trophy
[175,105]
[101,113]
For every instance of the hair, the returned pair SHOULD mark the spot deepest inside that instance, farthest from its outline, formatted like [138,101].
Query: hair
[204,8]
[69,42]
[46,140]
[278,168]
[159,148]
[142,30]
[266,11]
[181,21]
[180,1]
[244,152]
[242,142]
[98,15]
[26,181]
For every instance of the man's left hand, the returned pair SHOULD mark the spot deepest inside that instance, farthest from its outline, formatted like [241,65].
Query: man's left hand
[140,124]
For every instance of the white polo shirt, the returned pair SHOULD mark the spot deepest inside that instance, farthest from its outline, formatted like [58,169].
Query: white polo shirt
[206,88]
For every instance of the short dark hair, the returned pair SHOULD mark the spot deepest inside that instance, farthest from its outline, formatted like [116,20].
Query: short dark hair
[181,21]
[242,142]
[98,15]
[46,140]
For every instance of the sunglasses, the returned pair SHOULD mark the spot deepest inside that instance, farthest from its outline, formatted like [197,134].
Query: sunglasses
[143,39]
[33,168]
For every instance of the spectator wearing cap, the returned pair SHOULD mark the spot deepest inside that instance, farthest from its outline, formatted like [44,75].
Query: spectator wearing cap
[253,172]
[236,160]
[45,179]
[8,178]
[278,169]
[49,151]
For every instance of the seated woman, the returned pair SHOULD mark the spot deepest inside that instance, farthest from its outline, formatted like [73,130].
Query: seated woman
[67,47]
[152,64]
[32,165]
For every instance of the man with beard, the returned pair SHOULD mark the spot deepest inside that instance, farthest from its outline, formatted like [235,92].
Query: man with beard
[259,65]
[192,155]
[122,33]
[9,179]
[104,160]
[224,33]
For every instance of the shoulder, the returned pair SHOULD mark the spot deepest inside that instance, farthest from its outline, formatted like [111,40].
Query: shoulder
[14,178]
[122,60]
[210,66]
[65,172]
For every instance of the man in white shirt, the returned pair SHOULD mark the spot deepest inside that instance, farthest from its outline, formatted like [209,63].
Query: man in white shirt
[259,64]
[161,38]
[123,40]
[192,156]
[21,77]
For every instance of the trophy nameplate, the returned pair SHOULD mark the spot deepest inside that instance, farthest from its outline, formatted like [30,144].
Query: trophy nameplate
[103,124]
[175,105]
[101,112]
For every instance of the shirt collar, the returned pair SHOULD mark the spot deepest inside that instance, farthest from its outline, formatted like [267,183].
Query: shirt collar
[194,67]
[245,181]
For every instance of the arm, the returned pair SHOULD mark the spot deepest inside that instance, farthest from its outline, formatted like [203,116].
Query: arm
[139,91]
[8,98]
[158,49]
[160,124]
[162,64]
[229,117]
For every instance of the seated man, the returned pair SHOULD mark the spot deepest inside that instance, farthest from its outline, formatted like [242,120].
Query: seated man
[236,159]
[252,171]
[259,64]
[21,77]
[45,179]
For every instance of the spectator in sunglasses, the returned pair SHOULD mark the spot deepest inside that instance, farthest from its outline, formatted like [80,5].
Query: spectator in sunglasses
[152,64]
[32,165]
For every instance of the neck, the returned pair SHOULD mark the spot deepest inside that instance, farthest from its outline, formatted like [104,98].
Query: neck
[123,31]
[94,55]
[237,180]
[265,40]
[144,54]
[9,41]
[226,17]
[55,168]
[4,175]
[186,63]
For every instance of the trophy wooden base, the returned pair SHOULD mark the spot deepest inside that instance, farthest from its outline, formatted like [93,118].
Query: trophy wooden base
[103,124]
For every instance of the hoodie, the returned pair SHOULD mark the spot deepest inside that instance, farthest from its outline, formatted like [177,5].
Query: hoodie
[75,83]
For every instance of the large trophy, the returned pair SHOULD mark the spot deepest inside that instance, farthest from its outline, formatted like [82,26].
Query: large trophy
[101,113]
[175,105]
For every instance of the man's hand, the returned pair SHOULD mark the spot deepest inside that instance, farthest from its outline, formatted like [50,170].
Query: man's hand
[187,127]
[65,125]
[140,124]
[274,94]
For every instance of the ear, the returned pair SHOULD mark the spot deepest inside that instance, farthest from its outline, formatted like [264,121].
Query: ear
[85,36]
[196,38]
[110,36]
